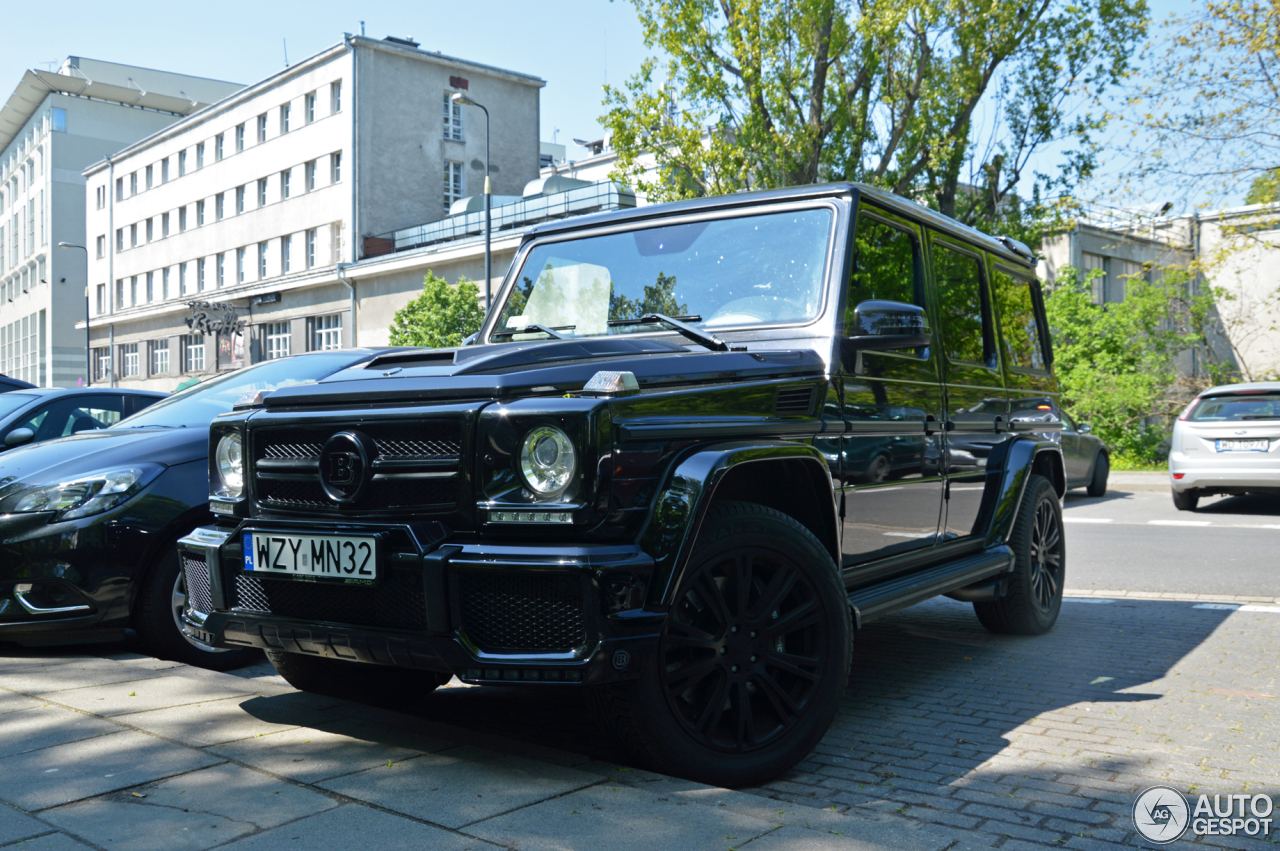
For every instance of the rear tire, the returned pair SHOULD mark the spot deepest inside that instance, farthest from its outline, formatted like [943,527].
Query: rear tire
[354,680]
[160,602]
[1101,470]
[1186,500]
[1039,560]
[752,661]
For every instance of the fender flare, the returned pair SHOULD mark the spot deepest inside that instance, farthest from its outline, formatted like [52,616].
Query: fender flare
[1013,470]
[688,489]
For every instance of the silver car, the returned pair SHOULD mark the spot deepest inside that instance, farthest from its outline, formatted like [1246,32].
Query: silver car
[1227,441]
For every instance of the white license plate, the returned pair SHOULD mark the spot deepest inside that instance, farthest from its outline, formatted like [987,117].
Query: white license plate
[1261,445]
[312,556]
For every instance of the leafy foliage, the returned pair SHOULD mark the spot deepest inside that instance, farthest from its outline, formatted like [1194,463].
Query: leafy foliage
[659,297]
[897,93]
[441,316]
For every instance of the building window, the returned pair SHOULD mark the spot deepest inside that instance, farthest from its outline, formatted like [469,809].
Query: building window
[151,286]
[222,269]
[119,238]
[335,96]
[284,118]
[102,363]
[452,118]
[309,105]
[182,279]
[199,213]
[182,163]
[133,291]
[200,275]
[133,183]
[285,242]
[166,293]
[328,332]
[150,182]
[164,170]
[219,205]
[129,354]
[335,241]
[284,184]
[335,167]
[101,196]
[150,229]
[239,200]
[159,357]
[164,224]
[119,188]
[262,128]
[217,147]
[309,172]
[102,247]
[311,248]
[452,184]
[239,138]
[119,294]
[240,256]
[277,340]
[262,192]
[101,292]
[262,261]
[200,155]
[193,352]
[133,236]
[182,219]
[59,120]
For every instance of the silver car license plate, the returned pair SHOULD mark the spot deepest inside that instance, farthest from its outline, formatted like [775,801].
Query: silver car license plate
[1259,445]
[345,557]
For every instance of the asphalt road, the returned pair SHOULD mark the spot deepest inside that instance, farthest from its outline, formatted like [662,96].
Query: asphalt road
[1137,541]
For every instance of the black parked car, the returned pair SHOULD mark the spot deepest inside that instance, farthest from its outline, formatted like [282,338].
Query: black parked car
[1088,459]
[653,475]
[88,523]
[40,414]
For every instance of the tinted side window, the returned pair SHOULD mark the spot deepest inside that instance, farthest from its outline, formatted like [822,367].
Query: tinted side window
[1019,328]
[966,333]
[886,265]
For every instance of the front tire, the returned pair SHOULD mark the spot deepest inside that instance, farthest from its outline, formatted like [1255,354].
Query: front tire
[1186,500]
[1101,470]
[354,680]
[1034,598]
[160,602]
[752,660]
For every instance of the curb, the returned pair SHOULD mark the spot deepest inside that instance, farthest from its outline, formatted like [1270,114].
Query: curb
[1161,595]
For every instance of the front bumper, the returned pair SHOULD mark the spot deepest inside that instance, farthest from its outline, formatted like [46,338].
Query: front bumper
[535,614]
[1210,479]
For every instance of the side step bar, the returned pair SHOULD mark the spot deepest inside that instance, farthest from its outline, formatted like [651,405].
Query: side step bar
[903,591]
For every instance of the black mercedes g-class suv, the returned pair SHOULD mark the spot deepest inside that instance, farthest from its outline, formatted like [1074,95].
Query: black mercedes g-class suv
[693,448]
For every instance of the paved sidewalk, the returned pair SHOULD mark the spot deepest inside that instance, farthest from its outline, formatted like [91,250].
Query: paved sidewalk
[949,738]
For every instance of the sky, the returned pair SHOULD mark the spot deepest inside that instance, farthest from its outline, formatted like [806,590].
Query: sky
[575,45]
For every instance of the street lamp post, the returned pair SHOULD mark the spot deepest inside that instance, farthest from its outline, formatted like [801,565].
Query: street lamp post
[88,346]
[462,99]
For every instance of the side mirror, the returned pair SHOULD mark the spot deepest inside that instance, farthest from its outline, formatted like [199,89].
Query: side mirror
[887,325]
[1085,428]
[18,436]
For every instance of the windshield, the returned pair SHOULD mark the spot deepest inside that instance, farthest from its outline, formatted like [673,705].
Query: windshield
[1258,406]
[10,402]
[751,270]
[196,406]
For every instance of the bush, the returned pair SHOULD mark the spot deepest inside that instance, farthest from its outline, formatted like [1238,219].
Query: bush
[441,317]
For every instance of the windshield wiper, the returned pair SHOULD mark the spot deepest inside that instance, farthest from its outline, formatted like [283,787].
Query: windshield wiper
[530,329]
[711,341]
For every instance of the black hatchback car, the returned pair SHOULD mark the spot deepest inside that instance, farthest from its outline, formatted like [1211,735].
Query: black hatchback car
[40,414]
[88,522]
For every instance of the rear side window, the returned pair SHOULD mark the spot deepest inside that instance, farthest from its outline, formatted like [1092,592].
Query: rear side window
[1236,408]
[1019,327]
[966,334]
[886,265]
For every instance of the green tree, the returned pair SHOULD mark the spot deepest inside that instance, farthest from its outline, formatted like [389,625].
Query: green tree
[659,297]
[945,101]
[441,316]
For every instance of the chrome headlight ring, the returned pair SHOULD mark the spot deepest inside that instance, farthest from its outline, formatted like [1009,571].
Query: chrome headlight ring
[548,461]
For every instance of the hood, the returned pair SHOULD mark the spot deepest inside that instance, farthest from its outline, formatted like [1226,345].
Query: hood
[540,368]
[71,457]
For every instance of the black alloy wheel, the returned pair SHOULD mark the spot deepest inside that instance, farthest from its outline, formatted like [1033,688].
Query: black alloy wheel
[752,660]
[1034,597]
[743,650]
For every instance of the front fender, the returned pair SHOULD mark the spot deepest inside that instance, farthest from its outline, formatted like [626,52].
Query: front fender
[687,491]
[1022,457]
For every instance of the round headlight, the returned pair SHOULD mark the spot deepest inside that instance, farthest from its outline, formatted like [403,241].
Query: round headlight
[547,460]
[230,458]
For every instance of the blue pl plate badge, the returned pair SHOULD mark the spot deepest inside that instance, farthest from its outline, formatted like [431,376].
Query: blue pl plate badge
[248,551]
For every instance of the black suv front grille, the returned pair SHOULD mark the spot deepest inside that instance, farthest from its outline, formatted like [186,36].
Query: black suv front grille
[415,464]
[195,573]
[522,613]
[397,602]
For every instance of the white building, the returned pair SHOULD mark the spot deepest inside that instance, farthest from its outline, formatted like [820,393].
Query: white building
[263,209]
[54,124]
